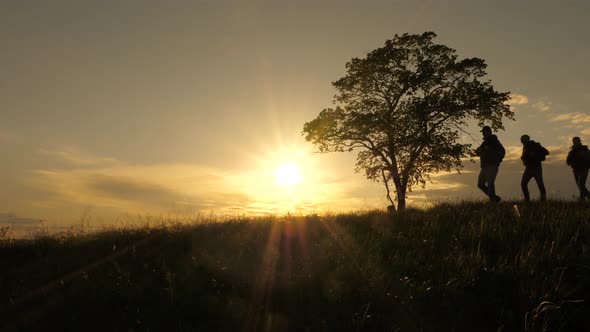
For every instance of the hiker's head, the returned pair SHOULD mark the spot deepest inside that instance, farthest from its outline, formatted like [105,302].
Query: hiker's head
[576,141]
[524,139]
[486,131]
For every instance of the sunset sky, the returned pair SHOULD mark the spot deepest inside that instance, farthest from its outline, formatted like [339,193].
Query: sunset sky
[178,107]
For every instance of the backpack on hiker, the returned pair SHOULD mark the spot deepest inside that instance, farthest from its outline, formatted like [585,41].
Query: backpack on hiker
[584,156]
[500,151]
[540,152]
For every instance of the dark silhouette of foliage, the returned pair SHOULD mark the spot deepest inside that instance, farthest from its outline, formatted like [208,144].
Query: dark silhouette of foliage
[403,107]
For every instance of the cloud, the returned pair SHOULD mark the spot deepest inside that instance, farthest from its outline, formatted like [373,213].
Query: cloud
[74,157]
[13,220]
[129,189]
[542,106]
[557,154]
[105,184]
[19,226]
[109,187]
[586,131]
[574,118]
[141,189]
[513,152]
[518,99]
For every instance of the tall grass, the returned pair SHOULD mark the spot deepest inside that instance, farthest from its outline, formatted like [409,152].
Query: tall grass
[454,267]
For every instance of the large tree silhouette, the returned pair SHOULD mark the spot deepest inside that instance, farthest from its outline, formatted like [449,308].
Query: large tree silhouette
[403,107]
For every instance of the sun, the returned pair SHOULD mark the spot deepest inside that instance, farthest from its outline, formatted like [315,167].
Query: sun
[288,175]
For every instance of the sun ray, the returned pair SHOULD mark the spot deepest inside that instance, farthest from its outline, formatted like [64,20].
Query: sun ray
[264,286]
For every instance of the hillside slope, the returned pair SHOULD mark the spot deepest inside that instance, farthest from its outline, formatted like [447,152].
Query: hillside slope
[462,267]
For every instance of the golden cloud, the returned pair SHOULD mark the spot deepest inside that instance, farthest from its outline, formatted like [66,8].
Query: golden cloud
[542,106]
[145,189]
[518,99]
[573,117]
[73,156]
[513,152]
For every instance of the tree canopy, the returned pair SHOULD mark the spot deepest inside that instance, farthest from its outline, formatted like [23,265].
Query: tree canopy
[403,107]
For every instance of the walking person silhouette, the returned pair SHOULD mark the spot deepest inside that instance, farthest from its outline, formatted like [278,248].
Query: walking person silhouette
[579,159]
[533,153]
[491,153]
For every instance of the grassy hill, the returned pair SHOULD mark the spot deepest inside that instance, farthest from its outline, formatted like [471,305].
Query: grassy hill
[461,267]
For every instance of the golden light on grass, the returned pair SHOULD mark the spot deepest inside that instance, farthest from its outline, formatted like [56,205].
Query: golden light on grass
[288,175]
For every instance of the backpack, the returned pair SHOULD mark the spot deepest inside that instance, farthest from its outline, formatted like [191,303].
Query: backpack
[501,152]
[584,156]
[540,152]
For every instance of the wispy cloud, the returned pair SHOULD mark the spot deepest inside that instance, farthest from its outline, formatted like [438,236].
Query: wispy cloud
[542,106]
[513,152]
[557,154]
[141,189]
[85,180]
[518,99]
[574,118]
[74,157]
[19,226]
[107,184]
[14,220]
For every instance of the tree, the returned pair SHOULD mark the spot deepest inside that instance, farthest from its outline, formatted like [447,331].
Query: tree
[404,107]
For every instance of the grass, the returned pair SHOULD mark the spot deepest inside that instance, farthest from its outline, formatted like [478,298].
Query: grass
[454,267]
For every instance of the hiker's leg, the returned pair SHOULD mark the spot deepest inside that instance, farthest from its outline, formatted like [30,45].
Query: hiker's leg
[481,181]
[578,178]
[538,175]
[524,184]
[491,174]
[583,177]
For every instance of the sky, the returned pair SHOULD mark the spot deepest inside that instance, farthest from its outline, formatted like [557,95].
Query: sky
[120,108]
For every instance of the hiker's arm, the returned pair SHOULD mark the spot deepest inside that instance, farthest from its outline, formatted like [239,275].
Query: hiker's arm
[478,150]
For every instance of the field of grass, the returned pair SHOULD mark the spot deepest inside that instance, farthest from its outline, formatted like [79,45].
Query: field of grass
[456,267]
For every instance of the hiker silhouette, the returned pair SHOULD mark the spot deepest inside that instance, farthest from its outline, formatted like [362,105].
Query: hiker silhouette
[579,159]
[533,153]
[491,153]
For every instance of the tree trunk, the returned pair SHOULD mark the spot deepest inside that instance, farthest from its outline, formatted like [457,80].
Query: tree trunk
[401,194]
[401,201]
[400,191]
[391,207]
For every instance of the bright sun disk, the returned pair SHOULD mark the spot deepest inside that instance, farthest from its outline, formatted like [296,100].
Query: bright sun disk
[288,175]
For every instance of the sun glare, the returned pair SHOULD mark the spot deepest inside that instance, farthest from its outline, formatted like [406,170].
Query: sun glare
[288,175]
